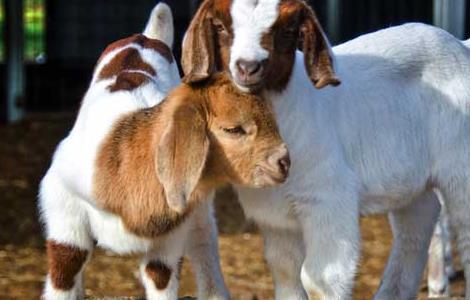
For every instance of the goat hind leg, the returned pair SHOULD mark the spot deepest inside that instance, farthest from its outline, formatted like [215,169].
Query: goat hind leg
[412,228]
[438,281]
[456,193]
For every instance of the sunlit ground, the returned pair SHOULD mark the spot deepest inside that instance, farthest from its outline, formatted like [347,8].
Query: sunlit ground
[25,152]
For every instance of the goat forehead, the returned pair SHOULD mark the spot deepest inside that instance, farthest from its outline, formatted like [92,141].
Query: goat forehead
[256,15]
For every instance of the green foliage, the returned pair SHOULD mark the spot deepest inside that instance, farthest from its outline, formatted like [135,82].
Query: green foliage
[34,30]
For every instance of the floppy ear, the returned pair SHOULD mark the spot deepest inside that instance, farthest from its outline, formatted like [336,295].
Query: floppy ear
[181,156]
[198,59]
[317,52]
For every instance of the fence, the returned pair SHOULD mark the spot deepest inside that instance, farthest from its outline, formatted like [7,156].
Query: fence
[77,30]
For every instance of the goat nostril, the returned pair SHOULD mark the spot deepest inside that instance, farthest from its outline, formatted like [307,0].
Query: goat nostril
[240,68]
[248,67]
[255,68]
[284,165]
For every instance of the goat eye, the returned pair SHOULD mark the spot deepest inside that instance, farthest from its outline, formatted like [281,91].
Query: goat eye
[219,27]
[290,31]
[235,130]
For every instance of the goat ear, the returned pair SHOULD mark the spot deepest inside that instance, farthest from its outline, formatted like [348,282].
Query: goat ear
[198,55]
[181,156]
[317,51]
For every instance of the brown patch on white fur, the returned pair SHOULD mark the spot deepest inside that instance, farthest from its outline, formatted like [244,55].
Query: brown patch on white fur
[177,151]
[126,60]
[65,262]
[128,81]
[210,37]
[159,273]
[128,66]
[144,42]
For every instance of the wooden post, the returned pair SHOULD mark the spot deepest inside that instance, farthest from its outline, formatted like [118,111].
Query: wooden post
[14,50]
[450,15]
[333,21]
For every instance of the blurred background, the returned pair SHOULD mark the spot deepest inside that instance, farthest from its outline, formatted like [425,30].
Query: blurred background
[48,49]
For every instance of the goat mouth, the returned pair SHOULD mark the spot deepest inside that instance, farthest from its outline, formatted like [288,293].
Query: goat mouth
[265,176]
[248,86]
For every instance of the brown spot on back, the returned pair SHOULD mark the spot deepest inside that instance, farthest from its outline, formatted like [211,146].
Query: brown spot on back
[128,81]
[64,264]
[127,60]
[142,41]
[159,273]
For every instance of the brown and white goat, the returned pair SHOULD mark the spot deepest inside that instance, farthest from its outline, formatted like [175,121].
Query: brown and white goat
[135,173]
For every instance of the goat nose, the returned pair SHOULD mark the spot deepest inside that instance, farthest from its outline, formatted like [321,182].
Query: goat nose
[281,160]
[248,67]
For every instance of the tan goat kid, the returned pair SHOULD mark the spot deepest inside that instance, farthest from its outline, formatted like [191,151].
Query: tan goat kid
[133,173]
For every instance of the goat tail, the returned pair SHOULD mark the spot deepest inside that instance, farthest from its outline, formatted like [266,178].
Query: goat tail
[160,24]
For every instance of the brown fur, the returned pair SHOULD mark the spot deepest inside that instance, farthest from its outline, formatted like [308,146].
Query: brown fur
[159,273]
[318,62]
[126,181]
[200,63]
[128,81]
[126,62]
[64,264]
[127,59]
[154,154]
[296,25]
[142,41]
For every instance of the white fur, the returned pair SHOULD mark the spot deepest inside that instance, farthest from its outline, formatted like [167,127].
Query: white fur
[397,127]
[66,200]
[251,18]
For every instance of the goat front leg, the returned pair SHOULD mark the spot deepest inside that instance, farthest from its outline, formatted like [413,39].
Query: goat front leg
[331,235]
[160,277]
[412,228]
[202,249]
[284,251]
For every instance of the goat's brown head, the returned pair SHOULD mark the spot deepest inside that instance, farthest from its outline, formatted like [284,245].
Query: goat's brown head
[217,135]
[256,41]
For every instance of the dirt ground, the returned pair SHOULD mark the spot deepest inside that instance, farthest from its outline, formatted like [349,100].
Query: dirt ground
[25,153]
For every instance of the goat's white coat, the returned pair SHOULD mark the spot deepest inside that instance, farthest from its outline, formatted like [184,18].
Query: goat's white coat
[440,265]
[396,128]
[66,202]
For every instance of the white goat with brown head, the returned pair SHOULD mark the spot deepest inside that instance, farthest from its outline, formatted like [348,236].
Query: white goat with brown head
[136,172]
[381,142]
